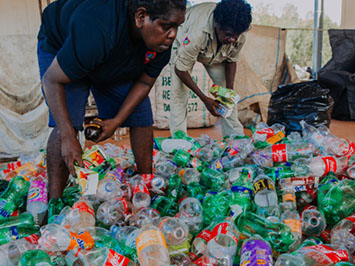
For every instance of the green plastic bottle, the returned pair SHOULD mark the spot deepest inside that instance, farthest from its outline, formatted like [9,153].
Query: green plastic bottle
[213,179]
[196,190]
[181,157]
[277,234]
[13,196]
[325,185]
[339,202]
[175,187]
[23,219]
[241,198]
[34,258]
[54,208]
[8,234]
[184,159]
[216,206]
[165,206]
[71,195]
[279,172]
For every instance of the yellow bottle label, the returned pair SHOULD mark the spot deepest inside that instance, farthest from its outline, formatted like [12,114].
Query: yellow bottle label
[276,138]
[294,224]
[288,197]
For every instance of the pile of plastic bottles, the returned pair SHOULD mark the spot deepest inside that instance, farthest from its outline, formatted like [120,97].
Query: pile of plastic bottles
[269,199]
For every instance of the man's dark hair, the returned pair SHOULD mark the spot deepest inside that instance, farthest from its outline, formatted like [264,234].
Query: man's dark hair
[233,15]
[156,8]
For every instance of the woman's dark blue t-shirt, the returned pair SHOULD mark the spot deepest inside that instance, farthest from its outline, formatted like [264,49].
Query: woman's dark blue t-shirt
[91,40]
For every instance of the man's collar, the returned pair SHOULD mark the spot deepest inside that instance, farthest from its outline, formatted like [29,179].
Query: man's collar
[210,27]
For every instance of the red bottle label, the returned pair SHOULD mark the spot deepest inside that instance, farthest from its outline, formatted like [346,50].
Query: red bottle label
[140,188]
[204,261]
[266,131]
[147,179]
[351,219]
[348,149]
[222,229]
[322,254]
[205,235]
[279,153]
[326,235]
[33,239]
[83,207]
[330,164]
[115,259]
[125,205]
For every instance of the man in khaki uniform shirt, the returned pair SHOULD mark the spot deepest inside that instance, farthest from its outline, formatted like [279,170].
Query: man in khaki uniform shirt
[214,35]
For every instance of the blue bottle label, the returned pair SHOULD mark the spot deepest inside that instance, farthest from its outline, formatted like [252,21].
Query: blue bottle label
[14,232]
[3,213]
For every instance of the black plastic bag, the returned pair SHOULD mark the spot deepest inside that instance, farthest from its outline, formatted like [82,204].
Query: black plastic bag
[301,101]
[341,85]
[339,74]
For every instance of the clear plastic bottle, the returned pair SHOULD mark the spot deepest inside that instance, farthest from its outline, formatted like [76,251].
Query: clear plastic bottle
[147,215]
[314,256]
[241,146]
[347,224]
[85,213]
[338,146]
[159,184]
[126,236]
[343,238]
[151,247]
[222,247]
[256,251]
[204,261]
[225,243]
[205,154]
[292,219]
[263,131]
[343,233]
[141,197]
[282,153]
[265,197]
[191,213]
[235,173]
[314,135]
[56,238]
[180,259]
[289,197]
[107,189]
[165,168]
[351,171]
[11,253]
[190,175]
[319,166]
[110,212]
[99,257]
[174,230]
[37,198]
[313,222]
[351,167]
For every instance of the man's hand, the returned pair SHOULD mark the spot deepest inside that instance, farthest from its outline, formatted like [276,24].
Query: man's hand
[108,126]
[211,105]
[71,152]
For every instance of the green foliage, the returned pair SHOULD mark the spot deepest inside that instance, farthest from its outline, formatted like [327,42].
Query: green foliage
[299,42]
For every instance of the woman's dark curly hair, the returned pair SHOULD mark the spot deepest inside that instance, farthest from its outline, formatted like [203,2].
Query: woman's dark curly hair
[156,8]
[233,15]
